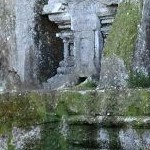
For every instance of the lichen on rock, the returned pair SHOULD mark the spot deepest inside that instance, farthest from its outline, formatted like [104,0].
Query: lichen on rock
[121,43]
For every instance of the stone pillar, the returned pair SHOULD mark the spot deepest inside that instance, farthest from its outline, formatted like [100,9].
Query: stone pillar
[65,41]
[141,61]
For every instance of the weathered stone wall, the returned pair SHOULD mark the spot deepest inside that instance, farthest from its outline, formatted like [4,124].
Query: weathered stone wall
[28,47]
[7,36]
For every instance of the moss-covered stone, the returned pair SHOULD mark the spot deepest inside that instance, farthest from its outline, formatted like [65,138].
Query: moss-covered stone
[113,102]
[107,108]
[129,102]
[21,110]
[120,46]
[122,38]
[75,103]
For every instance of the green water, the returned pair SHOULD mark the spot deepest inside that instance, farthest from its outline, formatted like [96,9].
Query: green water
[92,137]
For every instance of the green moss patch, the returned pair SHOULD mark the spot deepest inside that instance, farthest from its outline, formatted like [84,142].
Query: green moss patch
[113,102]
[21,110]
[128,102]
[138,80]
[28,109]
[75,103]
[122,38]
[87,85]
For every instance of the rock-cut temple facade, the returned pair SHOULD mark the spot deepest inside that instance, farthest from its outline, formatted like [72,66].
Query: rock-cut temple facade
[83,36]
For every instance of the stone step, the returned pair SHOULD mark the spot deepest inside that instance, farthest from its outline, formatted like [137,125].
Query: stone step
[107,21]
[60,81]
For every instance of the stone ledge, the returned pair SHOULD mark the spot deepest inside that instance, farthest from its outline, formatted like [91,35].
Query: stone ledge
[112,121]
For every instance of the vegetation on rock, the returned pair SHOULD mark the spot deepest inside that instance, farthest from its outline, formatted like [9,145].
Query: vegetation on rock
[75,107]
[122,38]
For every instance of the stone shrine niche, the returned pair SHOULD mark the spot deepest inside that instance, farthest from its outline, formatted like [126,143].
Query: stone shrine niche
[83,26]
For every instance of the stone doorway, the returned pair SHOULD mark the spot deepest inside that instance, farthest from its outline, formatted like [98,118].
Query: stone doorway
[51,48]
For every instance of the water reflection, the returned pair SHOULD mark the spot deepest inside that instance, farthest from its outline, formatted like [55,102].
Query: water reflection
[52,139]
[92,137]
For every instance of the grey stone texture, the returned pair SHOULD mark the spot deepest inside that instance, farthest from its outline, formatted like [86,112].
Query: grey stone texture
[37,50]
[26,138]
[113,73]
[16,40]
[7,38]
[28,45]
[84,26]
[3,142]
[141,61]
[21,139]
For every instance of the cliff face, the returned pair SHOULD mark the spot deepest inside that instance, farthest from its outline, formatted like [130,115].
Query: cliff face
[127,48]
[109,38]
[31,53]
[27,43]
[142,54]
[7,37]
[119,48]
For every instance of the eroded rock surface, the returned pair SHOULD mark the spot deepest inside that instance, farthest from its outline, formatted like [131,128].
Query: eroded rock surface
[141,61]
[113,73]
[28,45]
[84,27]
[117,62]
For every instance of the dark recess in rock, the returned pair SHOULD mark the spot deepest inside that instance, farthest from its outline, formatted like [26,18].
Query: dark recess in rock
[50,48]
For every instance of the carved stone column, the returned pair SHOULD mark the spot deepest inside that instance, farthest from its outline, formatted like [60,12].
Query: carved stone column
[65,41]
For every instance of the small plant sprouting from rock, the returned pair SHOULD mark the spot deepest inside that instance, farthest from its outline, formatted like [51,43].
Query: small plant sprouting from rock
[87,85]
[138,79]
